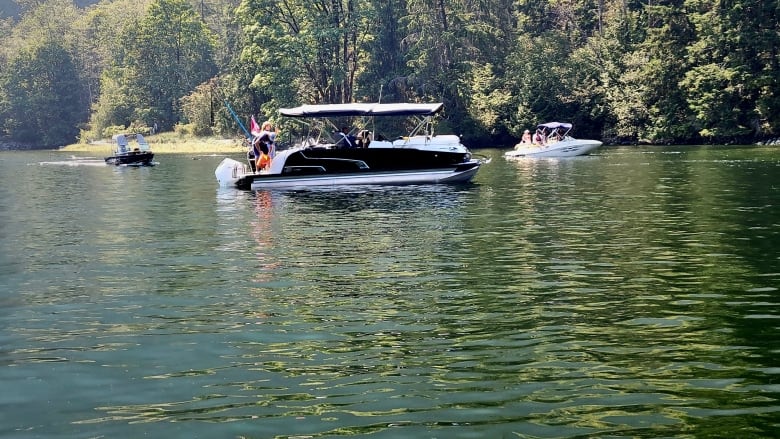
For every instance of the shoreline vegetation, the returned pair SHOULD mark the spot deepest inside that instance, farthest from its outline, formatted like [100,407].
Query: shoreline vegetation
[169,143]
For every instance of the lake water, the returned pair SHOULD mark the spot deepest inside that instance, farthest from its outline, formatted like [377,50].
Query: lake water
[633,293]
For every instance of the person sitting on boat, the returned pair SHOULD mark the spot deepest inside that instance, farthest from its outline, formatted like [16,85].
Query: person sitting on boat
[525,140]
[345,140]
[363,139]
[539,138]
[526,137]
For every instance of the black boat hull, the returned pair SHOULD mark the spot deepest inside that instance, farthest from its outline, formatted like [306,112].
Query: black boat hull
[131,159]
[329,167]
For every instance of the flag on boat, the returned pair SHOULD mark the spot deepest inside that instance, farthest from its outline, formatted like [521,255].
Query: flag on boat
[254,127]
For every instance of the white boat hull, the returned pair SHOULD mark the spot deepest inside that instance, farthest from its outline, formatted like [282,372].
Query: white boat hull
[394,178]
[563,148]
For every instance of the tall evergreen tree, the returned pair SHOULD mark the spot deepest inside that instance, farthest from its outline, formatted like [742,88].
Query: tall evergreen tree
[732,86]
[386,75]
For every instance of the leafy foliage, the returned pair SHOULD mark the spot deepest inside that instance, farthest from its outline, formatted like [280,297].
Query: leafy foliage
[165,56]
[307,50]
[623,70]
[43,96]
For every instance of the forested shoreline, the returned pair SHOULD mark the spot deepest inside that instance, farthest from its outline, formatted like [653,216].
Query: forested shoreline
[678,71]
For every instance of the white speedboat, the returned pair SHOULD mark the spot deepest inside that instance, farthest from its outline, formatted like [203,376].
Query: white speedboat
[552,139]
[329,156]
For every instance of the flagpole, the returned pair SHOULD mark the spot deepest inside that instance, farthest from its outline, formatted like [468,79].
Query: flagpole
[235,117]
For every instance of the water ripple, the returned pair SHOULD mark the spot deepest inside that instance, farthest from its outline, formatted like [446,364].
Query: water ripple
[630,294]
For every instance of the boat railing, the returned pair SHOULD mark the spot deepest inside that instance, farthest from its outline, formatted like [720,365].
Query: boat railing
[360,164]
[238,170]
[298,168]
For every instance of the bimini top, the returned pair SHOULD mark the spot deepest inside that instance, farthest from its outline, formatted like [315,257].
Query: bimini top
[553,125]
[338,110]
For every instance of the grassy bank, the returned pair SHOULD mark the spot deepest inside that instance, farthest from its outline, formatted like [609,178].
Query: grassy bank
[169,143]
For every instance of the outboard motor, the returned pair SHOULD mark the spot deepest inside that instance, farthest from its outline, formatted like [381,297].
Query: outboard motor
[229,172]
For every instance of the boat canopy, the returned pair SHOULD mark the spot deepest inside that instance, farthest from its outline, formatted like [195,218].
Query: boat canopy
[362,110]
[554,125]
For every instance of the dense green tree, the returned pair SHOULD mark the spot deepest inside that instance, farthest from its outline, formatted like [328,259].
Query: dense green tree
[666,70]
[100,30]
[615,55]
[164,57]
[198,109]
[233,87]
[307,51]
[642,89]
[552,72]
[386,75]
[43,93]
[172,52]
[732,84]
[485,30]
[534,82]
[429,40]
[48,20]
[220,17]
[456,53]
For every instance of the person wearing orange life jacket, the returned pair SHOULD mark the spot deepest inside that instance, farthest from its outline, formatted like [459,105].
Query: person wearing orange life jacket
[265,146]
[263,162]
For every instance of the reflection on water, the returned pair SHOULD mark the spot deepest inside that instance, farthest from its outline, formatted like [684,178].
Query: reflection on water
[631,293]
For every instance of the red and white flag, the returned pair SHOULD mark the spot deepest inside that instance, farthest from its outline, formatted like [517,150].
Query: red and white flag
[254,128]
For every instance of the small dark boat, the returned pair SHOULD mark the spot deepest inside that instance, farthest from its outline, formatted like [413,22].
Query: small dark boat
[126,154]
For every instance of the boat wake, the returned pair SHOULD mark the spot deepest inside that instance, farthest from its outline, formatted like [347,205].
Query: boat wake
[74,161]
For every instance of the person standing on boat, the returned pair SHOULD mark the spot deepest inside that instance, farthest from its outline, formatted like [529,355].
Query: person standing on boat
[268,135]
[264,145]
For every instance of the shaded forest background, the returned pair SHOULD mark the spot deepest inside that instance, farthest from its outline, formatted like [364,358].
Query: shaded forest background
[656,71]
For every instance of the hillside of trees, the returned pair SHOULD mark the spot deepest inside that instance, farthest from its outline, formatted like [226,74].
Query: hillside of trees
[657,71]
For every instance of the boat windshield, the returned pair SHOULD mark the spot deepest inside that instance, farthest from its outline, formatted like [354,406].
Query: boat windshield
[555,130]
[142,144]
[327,122]
[122,142]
